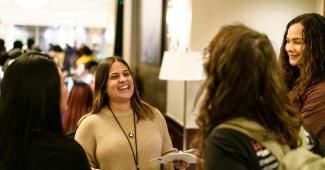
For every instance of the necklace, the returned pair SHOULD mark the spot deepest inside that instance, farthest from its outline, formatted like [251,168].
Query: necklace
[131,135]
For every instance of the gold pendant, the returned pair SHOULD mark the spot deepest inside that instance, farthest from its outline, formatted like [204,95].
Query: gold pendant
[131,134]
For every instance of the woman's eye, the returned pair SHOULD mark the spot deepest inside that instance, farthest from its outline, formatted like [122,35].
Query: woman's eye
[114,77]
[298,42]
[126,74]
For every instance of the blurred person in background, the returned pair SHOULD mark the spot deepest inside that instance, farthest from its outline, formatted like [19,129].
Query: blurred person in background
[13,53]
[85,55]
[79,103]
[86,73]
[70,56]
[3,57]
[58,55]
[3,52]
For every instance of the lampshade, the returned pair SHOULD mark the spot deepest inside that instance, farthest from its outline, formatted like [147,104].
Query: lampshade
[178,65]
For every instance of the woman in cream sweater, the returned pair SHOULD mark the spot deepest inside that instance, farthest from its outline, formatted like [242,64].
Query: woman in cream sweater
[122,131]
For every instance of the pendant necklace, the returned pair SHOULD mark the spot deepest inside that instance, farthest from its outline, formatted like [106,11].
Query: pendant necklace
[131,135]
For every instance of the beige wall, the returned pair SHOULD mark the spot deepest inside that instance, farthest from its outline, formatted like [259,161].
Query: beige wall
[319,6]
[266,16]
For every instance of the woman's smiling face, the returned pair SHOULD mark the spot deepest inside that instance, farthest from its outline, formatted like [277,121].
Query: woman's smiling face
[295,43]
[120,85]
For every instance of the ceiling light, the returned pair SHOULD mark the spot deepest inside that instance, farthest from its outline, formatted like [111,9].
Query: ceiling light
[31,4]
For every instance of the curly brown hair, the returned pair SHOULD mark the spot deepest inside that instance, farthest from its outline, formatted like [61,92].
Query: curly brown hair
[243,80]
[312,67]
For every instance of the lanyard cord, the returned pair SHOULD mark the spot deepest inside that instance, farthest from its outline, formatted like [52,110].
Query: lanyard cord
[135,155]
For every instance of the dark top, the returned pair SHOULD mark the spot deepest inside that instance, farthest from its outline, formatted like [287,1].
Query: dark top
[51,152]
[227,149]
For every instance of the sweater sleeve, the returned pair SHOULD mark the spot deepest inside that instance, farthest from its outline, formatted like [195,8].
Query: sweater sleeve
[160,122]
[86,138]
[167,145]
[313,108]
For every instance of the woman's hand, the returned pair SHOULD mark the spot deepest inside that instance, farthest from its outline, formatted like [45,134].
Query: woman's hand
[179,164]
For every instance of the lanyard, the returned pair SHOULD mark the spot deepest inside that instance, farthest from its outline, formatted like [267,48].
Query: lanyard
[135,155]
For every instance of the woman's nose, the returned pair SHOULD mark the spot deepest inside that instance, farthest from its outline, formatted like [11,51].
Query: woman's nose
[122,79]
[289,47]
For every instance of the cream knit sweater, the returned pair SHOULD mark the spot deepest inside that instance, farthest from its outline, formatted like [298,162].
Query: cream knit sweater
[107,147]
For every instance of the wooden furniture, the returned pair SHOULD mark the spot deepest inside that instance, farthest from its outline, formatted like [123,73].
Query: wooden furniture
[176,135]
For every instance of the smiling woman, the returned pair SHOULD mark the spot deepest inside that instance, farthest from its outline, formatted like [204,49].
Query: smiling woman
[295,44]
[302,57]
[122,131]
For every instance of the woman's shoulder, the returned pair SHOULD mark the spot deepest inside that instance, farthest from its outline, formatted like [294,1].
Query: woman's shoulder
[158,119]
[228,144]
[87,120]
[158,116]
[56,152]
[321,86]
[92,118]
[225,136]
[49,141]
[317,90]
[156,111]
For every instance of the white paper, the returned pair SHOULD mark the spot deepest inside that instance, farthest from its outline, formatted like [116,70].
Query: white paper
[177,156]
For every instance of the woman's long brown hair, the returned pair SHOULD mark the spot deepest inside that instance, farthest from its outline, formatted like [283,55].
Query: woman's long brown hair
[244,80]
[101,99]
[312,66]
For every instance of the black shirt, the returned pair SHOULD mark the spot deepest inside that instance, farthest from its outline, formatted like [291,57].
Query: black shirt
[52,152]
[229,149]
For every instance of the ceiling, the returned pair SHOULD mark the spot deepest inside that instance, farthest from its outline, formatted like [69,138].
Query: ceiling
[88,13]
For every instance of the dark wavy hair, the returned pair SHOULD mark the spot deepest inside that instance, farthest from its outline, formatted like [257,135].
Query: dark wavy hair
[101,99]
[79,103]
[312,67]
[244,80]
[29,103]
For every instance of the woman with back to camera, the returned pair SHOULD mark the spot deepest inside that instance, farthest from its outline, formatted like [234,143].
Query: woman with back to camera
[244,85]
[32,98]
[122,131]
[302,57]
